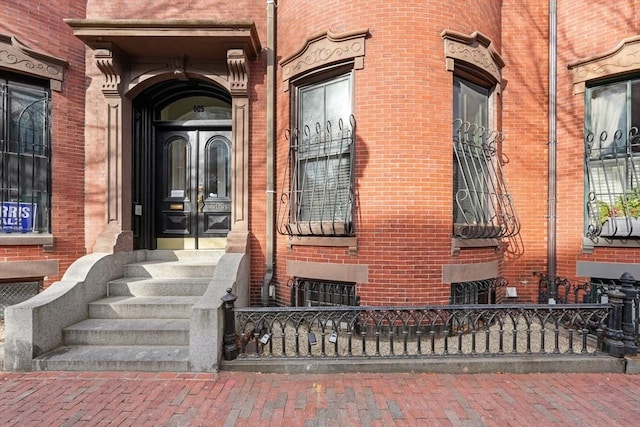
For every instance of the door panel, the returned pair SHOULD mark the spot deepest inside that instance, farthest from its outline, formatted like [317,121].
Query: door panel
[194,204]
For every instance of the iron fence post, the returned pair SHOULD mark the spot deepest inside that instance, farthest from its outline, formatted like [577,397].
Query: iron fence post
[614,334]
[230,344]
[629,290]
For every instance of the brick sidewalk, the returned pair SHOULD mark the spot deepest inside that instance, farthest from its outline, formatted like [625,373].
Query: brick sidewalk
[247,399]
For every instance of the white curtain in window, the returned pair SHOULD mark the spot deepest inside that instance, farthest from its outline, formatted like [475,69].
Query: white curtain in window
[608,107]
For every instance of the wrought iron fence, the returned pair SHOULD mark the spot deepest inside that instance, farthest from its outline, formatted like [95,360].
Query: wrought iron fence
[562,291]
[414,332]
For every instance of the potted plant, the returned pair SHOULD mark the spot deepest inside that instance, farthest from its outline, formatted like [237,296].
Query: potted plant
[622,219]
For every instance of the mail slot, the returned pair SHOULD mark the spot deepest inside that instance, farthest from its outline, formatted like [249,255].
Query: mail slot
[177,207]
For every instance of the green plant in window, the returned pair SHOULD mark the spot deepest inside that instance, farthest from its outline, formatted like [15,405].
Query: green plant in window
[627,205]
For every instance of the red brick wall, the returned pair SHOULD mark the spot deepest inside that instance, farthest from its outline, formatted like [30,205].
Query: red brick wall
[403,107]
[586,28]
[525,124]
[39,25]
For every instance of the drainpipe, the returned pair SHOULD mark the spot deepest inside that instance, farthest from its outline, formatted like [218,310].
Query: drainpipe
[271,57]
[553,77]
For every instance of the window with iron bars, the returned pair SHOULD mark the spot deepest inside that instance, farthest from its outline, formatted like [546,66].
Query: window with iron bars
[612,160]
[320,196]
[477,291]
[482,206]
[24,157]
[310,293]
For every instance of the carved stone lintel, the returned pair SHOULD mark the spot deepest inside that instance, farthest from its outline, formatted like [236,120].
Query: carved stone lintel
[323,49]
[624,58]
[238,73]
[109,64]
[16,56]
[475,49]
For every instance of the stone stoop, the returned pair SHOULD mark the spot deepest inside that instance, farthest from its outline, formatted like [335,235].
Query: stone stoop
[143,322]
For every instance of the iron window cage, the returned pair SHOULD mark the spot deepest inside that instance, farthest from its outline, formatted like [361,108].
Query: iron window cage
[477,291]
[25,158]
[612,163]
[312,293]
[319,199]
[483,208]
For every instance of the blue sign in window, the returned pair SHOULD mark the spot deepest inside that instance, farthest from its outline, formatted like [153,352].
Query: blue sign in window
[17,217]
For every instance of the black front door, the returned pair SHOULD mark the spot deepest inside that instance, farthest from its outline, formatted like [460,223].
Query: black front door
[193,182]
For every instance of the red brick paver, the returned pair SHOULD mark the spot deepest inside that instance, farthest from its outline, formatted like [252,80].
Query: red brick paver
[239,399]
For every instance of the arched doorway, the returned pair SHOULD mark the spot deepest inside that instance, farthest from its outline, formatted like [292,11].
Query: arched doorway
[182,146]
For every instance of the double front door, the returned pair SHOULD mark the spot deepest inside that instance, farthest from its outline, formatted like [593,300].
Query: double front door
[193,204]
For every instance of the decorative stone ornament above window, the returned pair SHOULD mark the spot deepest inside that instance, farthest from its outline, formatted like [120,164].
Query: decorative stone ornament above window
[475,50]
[18,58]
[325,49]
[622,59]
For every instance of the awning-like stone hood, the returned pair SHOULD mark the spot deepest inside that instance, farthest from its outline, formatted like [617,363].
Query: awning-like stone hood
[196,39]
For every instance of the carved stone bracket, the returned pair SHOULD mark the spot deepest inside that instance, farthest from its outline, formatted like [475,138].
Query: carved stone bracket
[323,49]
[17,57]
[476,50]
[624,58]
[238,75]
[109,64]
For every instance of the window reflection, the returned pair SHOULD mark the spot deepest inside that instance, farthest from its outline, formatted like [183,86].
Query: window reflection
[217,168]
[177,168]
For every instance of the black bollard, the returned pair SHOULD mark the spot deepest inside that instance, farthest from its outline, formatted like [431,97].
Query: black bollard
[230,344]
[613,338]
[630,292]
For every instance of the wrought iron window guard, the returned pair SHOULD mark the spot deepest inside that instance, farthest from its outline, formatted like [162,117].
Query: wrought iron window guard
[612,164]
[477,291]
[318,183]
[309,292]
[483,206]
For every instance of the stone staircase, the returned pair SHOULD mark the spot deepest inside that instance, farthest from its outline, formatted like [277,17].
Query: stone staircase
[143,323]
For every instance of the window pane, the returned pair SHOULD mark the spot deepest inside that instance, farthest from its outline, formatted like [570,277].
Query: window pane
[27,112]
[322,144]
[608,116]
[470,103]
[24,158]
[177,159]
[217,169]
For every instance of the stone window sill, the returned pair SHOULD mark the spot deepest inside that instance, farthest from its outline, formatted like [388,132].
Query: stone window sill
[26,239]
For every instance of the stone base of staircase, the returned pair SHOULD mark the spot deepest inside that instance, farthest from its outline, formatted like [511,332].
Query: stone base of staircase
[143,322]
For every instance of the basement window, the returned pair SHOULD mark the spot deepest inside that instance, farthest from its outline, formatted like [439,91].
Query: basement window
[476,291]
[314,293]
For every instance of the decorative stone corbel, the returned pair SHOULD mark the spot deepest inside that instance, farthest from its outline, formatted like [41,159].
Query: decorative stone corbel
[238,75]
[109,63]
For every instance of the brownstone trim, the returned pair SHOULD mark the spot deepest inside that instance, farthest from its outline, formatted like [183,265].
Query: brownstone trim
[476,51]
[325,49]
[456,273]
[355,273]
[17,57]
[624,58]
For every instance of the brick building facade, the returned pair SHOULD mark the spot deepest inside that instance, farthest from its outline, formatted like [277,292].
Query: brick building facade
[348,169]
